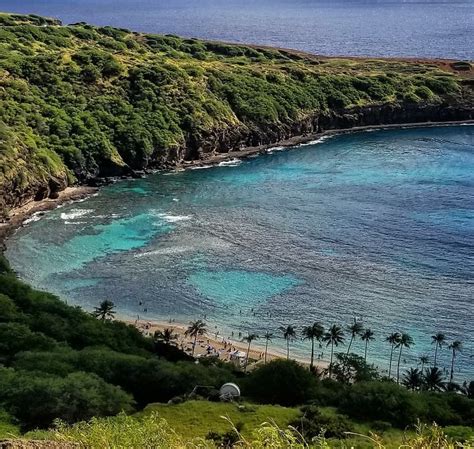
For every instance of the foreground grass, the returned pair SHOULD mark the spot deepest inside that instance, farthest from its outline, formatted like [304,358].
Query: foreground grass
[150,430]
[7,428]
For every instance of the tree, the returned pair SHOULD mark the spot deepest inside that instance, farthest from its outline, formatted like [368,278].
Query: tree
[381,401]
[334,337]
[424,360]
[455,347]
[195,329]
[283,382]
[166,336]
[413,379]
[405,342]
[468,389]
[393,339]
[313,332]
[355,329]
[367,336]
[352,368]
[289,334]
[105,310]
[433,379]
[438,339]
[268,336]
[249,338]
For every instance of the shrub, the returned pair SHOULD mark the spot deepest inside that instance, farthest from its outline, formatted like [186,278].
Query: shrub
[283,382]
[381,401]
[459,433]
[37,399]
[312,424]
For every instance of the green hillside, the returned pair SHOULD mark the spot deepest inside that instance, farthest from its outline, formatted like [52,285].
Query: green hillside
[78,101]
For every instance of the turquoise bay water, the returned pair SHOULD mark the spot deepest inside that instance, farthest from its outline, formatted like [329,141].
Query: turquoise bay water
[378,225]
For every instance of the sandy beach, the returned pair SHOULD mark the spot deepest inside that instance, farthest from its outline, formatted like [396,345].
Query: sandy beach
[215,344]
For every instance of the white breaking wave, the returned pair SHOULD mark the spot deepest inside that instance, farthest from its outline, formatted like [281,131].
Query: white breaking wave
[232,163]
[164,251]
[272,149]
[75,213]
[35,217]
[316,141]
[174,218]
[201,167]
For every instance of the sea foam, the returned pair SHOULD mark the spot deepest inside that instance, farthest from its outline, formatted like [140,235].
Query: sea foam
[231,163]
[174,218]
[74,213]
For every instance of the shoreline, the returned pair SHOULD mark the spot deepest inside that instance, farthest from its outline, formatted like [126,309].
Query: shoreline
[297,141]
[221,343]
[18,215]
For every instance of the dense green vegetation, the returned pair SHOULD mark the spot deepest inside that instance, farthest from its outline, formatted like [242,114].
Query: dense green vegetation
[59,361]
[79,101]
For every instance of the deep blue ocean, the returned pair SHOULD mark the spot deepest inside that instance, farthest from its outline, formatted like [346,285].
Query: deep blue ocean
[373,28]
[375,225]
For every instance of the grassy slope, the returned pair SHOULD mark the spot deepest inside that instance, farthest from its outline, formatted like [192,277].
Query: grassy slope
[82,101]
[187,424]
[193,419]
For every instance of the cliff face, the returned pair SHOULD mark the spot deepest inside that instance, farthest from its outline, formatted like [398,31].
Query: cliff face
[226,141]
[78,103]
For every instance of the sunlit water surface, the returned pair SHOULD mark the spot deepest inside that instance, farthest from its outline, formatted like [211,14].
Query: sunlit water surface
[378,225]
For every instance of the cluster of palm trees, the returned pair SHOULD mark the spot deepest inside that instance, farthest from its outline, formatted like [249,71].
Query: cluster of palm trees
[334,336]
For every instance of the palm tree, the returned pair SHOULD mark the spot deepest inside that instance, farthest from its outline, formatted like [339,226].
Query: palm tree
[393,339]
[289,334]
[405,342]
[355,329]
[166,336]
[367,336]
[195,329]
[313,332]
[438,339]
[268,336]
[413,379]
[424,360]
[455,346]
[105,310]
[433,379]
[249,338]
[334,337]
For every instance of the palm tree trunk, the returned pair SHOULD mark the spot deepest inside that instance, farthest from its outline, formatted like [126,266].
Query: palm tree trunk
[330,362]
[350,344]
[390,365]
[398,366]
[452,368]
[311,365]
[247,358]
[365,355]
[266,349]
[194,345]
[288,349]
[436,354]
